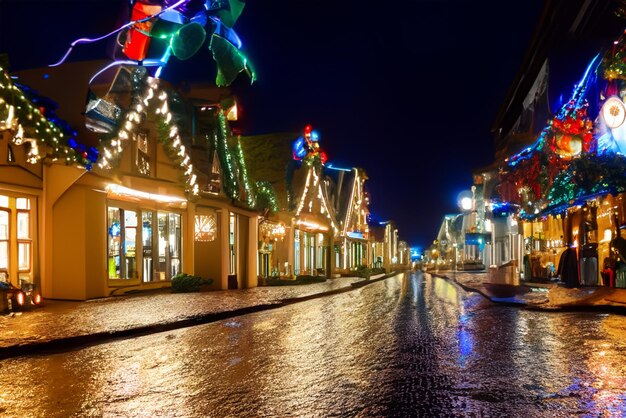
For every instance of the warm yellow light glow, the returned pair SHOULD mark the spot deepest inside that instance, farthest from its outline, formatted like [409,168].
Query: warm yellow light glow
[311,225]
[118,190]
[233,113]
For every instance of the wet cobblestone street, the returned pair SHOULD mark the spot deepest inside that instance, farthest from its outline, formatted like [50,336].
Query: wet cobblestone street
[404,346]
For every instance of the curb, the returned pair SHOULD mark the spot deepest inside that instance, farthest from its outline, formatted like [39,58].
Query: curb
[618,310]
[79,341]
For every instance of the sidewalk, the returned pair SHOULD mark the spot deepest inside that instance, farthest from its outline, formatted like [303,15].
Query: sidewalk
[544,296]
[62,324]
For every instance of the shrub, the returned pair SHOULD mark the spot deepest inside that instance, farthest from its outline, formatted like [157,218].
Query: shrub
[363,271]
[184,283]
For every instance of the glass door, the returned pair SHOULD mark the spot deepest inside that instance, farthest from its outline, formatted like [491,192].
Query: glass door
[174,235]
[296,258]
[114,266]
[232,230]
[146,237]
[130,244]
[169,245]
[122,244]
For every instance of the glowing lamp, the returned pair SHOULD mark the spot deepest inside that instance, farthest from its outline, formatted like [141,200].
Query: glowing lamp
[466,203]
[613,112]
[323,157]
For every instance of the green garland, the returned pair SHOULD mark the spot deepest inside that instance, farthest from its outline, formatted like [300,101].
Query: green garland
[266,196]
[230,181]
[588,176]
[51,140]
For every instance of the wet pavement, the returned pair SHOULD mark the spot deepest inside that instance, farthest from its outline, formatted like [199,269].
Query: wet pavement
[62,319]
[405,346]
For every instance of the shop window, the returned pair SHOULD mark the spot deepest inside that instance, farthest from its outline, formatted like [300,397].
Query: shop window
[23,237]
[4,201]
[4,240]
[22,203]
[114,243]
[206,228]
[122,244]
[297,252]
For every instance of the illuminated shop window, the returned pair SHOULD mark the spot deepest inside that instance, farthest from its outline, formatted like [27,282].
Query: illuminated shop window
[232,230]
[22,203]
[296,266]
[23,238]
[122,243]
[206,228]
[4,201]
[4,240]
[114,243]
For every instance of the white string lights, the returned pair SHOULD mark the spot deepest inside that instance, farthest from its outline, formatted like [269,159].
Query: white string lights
[134,118]
[320,195]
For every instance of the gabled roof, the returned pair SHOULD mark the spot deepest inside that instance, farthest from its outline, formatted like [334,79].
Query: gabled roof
[268,158]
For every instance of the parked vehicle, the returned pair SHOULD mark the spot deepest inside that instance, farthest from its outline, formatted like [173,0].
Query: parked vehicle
[14,298]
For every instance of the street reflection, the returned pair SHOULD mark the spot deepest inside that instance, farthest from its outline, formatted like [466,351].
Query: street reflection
[411,345]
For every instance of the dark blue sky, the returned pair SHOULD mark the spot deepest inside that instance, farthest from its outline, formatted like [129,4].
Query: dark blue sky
[408,90]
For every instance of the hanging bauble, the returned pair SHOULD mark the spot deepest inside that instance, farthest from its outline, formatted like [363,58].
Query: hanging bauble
[613,112]
[188,40]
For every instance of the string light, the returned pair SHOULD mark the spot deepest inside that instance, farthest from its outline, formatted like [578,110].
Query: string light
[19,116]
[172,142]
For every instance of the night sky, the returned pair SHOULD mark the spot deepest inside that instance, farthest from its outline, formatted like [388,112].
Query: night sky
[407,90]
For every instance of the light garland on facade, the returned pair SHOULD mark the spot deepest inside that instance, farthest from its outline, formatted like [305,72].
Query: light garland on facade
[322,197]
[250,197]
[172,141]
[264,189]
[25,118]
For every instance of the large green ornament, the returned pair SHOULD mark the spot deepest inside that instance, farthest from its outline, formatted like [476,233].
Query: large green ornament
[230,61]
[188,40]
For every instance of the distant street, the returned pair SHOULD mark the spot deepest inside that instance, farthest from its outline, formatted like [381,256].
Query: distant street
[406,346]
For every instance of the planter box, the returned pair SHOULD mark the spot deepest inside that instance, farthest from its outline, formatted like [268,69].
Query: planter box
[506,274]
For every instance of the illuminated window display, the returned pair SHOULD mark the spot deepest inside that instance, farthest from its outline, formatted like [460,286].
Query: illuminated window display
[231,243]
[4,240]
[125,236]
[15,238]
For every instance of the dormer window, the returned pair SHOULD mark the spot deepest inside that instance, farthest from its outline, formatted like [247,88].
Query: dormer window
[143,153]
[215,179]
